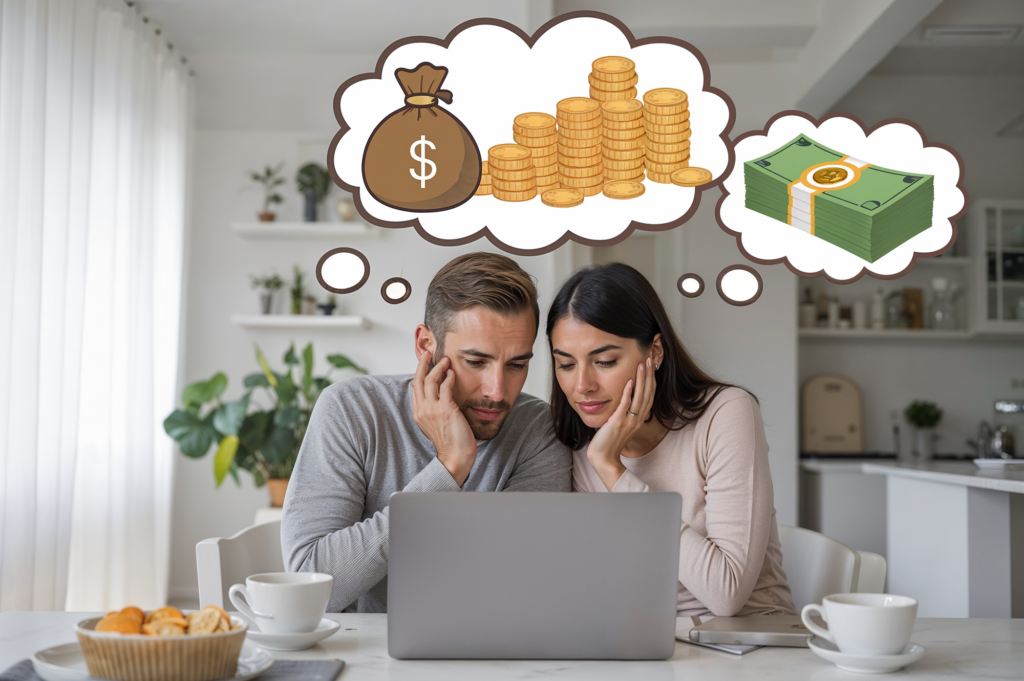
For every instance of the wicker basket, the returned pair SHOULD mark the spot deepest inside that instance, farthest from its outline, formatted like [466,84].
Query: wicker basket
[137,657]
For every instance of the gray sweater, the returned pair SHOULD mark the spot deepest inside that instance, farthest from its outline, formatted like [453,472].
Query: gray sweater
[361,446]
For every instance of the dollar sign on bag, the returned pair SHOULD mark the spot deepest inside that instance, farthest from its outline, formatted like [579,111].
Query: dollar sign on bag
[422,143]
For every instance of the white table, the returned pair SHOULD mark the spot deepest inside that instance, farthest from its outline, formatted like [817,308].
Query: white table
[957,648]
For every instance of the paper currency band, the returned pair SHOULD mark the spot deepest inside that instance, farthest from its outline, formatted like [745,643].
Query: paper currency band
[800,213]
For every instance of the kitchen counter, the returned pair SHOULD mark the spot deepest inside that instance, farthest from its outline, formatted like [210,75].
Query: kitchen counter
[953,473]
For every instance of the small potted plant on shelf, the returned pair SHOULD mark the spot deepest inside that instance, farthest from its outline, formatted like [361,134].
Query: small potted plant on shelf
[297,290]
[262,440]
[924,416]
[312,181]
[327,308]
[309,304]
[267,286]
[270,179]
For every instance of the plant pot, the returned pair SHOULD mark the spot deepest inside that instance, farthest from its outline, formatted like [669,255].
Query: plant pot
[924,443]
[266,216]
[327,308]
[266,300]
[308,307]
[310,207]
[277,487]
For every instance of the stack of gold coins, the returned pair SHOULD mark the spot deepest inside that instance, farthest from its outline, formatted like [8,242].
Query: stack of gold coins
[537,131]
[667,120]
[512,174]
[622,129]
[613,78]
[485,187]
[579,145]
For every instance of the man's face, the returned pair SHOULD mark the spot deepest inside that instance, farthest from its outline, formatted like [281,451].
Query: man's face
[490,355]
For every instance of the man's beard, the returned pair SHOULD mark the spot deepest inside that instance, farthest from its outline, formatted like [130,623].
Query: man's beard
[485,430]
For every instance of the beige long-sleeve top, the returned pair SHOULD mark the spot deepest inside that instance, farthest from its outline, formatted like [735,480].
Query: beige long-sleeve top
[730,559]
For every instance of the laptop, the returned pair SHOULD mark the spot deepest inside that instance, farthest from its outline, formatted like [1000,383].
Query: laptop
[533,575]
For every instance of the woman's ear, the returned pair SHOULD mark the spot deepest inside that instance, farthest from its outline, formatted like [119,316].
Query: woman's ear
[424,341]
[657,351]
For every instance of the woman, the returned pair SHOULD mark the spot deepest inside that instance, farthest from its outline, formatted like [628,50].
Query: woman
[641,416]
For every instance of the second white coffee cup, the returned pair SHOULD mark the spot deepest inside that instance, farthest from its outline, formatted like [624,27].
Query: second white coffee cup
[284,602]
[864,624]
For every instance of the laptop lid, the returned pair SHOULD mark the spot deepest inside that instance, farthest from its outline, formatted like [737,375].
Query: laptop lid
[533,575]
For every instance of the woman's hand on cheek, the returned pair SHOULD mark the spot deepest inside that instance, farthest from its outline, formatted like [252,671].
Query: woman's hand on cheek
[606,447]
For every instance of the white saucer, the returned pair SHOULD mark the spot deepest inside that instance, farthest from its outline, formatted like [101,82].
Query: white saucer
[325,629]
[865,664]
[999,463]
[67,663]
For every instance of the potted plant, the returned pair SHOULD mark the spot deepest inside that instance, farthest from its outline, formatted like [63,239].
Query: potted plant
[309,304]
[327,308]
[924,416]
[267,286]
[262,440]
[313,182]
[270,178]
[298,291]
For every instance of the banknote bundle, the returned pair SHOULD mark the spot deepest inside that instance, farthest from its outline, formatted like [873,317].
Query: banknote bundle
[862,208]
[579,145]
[667,123]
[537,132]
[613,78]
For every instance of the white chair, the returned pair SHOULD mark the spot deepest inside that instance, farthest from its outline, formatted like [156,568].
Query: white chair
[223,562]
[817,566]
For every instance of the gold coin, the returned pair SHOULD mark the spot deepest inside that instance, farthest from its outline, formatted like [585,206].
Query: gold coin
[623,154]
[484,190]
[670,148]
[627,164]
[610,124]
[664,98]
[578,109]
[628,134]
[515,196]
[613,67]
[618,145]
[583,171]
[633,174]
[580,181]
[565,143]
[508,157]
[547,187]
[485,179]
[545,150]
[624,189]
[578,161]
[622,109]
[691,177]
[533,124]
[513,175]
[484,168]
[661,138]
[673,157]
[591,191]
[668,129]
[515,186]
[588,134]
[603,96]
[534,142]
[612,86]
[562,198]
[587,124]
[662,178]
[666,120]
[830,175]
[540,162]
[665,168]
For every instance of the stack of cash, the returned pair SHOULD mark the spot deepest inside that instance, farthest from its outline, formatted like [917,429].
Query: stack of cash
[485,187]
[667,122]
[623,130]
[579,145]
[537,132]
[512,173]
[613,78]
[865,209]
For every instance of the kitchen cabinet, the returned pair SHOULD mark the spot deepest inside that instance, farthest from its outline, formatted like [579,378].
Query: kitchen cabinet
[997,241]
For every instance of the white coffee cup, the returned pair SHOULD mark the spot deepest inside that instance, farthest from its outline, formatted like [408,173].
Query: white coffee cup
[283,602]
[864,624]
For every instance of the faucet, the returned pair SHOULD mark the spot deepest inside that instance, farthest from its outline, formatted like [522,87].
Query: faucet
[985,435]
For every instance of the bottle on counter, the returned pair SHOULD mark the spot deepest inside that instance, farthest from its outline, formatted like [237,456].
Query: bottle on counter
[878,310]
[943,312]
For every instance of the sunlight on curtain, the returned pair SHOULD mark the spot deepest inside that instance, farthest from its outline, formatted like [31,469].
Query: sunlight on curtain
[95,120]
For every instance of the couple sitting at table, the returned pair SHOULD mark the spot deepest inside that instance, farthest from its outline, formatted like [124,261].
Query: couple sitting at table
[630,412]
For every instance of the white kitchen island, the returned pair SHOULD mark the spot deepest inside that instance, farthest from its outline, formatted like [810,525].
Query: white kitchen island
[955,537]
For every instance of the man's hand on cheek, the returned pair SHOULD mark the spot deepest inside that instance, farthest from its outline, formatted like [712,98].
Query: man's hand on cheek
[440,419]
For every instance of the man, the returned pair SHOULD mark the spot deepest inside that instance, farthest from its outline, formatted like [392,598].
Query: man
[459,423]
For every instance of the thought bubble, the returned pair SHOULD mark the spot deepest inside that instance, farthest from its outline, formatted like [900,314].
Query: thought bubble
[739,285]
[834,198]
[690,285]
[342,270]
[396,290]
[494,73]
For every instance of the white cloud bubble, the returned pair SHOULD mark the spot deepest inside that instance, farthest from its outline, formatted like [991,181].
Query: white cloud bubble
[494,76]
[898,146]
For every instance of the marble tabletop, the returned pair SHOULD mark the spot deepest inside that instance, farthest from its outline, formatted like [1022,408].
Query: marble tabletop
[956,473]
[956,648]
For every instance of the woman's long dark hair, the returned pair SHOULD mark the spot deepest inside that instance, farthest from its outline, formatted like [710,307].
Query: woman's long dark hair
[617,299]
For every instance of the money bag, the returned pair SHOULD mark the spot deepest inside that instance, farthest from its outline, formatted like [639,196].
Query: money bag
[422,158]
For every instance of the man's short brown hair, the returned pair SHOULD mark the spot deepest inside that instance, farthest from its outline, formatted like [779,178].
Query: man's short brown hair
[493,281]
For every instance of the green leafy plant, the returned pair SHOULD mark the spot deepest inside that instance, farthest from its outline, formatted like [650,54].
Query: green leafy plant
[922,414]
[270,178]
[313,178]
[262,440]
[269,284]
[298,291]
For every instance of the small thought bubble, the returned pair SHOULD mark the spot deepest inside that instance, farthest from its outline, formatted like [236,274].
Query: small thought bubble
[739,285]
[342,270]
[396,290]
[690,285]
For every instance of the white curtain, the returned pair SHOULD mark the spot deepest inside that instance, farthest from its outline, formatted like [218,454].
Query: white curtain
[95,121]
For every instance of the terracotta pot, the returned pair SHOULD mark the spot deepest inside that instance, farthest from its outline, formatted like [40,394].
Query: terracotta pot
[277,487]
[267,216]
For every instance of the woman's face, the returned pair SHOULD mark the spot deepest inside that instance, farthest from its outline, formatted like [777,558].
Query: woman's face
[592,367]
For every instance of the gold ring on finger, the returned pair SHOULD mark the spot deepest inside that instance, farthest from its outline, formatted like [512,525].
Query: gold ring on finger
[632,413]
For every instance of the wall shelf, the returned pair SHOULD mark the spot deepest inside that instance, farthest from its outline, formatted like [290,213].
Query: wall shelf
[952,261]
[304,230]
[883,334]
[299,321]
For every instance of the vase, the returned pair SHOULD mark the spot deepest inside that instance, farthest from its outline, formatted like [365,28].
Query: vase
[277,488]
[309,212]
[346,209]
[924,444]
[266,300]
[327,308]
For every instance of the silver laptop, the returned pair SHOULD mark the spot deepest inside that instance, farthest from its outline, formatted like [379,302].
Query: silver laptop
[532,575]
